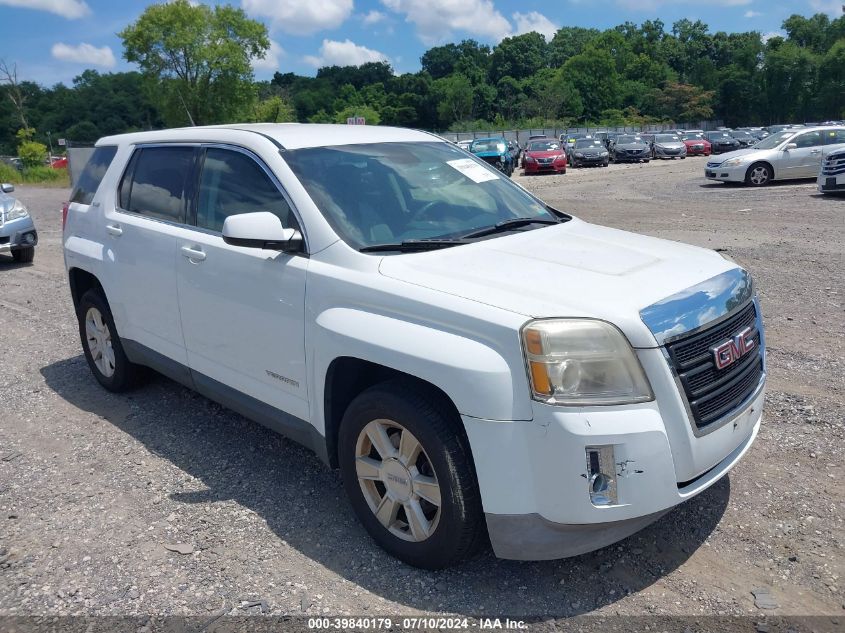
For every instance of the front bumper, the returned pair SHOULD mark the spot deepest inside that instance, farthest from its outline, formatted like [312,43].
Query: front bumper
[536,168]
[697,150]
[16,234]
[715,171]
[623,156]
[533,475]
[669,153]
[590,160]
[831,184]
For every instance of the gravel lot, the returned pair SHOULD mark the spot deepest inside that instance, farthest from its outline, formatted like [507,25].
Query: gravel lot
[96,490]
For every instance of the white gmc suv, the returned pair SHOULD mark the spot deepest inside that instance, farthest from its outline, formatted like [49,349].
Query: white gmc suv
[474,361]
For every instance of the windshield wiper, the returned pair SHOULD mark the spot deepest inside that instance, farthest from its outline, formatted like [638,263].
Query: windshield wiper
[507,225]
[407,246]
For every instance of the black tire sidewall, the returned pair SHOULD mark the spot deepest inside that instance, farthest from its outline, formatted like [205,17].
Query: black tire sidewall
[125,373]
[447,456]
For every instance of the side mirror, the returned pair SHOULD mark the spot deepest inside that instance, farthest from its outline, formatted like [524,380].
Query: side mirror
[790,146]
[261,229]
[8,187]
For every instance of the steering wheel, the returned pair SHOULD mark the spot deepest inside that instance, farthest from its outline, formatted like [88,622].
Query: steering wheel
[421,214]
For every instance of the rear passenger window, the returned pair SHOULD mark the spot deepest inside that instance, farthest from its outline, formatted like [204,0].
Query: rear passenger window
[233,183]
[834,137]
[92,174]
[154,184]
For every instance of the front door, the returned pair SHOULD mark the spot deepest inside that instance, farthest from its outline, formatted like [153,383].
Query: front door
[243,309]
[805,160]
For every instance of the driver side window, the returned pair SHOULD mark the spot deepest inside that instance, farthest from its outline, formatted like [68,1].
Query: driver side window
[810,139]
[233,183]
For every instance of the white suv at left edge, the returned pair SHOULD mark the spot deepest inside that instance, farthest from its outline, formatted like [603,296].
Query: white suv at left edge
[790,154]
[476,363]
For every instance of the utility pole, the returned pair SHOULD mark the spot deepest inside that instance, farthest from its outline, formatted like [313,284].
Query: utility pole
[50,142]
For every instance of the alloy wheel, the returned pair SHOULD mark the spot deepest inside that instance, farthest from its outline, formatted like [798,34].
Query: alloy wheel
[98,338]
[398,480]
[759,175]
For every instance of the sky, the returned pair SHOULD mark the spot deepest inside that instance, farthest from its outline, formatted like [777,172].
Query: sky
[53,41]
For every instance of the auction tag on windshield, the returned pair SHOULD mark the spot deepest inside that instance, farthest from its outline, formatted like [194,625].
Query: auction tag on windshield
[472,170]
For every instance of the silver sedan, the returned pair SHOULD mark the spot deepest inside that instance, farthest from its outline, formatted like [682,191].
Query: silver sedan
[789,154]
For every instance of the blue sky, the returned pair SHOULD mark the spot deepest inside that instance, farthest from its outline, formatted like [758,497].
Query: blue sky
[54,40]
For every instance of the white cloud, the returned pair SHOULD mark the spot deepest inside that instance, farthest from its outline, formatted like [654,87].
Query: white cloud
[70,9]
[651,5]
[373,17]
[84,54]
[752,14]
[831,7]
[346,53]
[767,36]
[529,22]
[300,17]
[271,59]
[436,20]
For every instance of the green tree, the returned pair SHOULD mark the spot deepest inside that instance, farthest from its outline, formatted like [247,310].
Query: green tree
[454,99]
[594,75]
[370,115]
[32,154]
[519,57]
[197,58]
[273,110]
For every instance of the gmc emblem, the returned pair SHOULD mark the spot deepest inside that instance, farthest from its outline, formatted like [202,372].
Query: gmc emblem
[727,353]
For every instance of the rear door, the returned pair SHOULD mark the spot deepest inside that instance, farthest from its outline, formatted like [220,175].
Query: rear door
[140,226]
[243,309]
[834,140]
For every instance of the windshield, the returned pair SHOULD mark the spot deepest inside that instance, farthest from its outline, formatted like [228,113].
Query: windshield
[772,141]
[718,135]
[665,138]
[384,193]
[543,146]
[489,145]
[581,143]
[692,137]
[629,139]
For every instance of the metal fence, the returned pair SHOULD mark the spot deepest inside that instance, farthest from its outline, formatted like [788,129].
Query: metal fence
[523,135]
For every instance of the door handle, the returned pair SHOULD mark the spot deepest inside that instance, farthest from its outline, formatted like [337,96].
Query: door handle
[194,254]
[114,229]
[816,151]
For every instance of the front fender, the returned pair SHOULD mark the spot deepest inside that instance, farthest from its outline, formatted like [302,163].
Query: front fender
[476,377]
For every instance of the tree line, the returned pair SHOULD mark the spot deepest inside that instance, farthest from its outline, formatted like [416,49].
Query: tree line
[195,67]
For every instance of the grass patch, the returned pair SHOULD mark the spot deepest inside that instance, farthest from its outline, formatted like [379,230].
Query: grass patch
[42,175]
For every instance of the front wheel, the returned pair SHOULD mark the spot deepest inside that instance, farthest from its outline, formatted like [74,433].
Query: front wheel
[758,175]
[24,255]
[408,472]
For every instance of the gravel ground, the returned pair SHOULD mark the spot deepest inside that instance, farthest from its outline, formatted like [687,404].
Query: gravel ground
[162,502]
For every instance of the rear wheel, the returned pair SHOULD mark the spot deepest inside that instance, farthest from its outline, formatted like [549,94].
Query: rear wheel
[24,255]
[759,175]
[408,472]
[102,346]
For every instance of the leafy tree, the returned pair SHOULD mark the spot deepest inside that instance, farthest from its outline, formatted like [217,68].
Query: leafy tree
[519,57]
[32,154]
[273,110]
[197,58]
[593,73]
[370,115]
[832,87]
[454,98]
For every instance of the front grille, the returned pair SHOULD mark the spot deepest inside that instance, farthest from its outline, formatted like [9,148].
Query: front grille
[834,164]
[5,240]
[493,160]
[545,161]
[710,392]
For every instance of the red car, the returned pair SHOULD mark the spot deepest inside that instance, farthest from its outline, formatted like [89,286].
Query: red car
[59,163]
[697,145]
[544,156]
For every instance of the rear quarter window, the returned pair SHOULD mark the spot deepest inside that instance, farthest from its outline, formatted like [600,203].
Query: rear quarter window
[92,174]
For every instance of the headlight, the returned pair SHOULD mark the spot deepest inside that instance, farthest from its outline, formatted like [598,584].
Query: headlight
[604,153]
[582,362]
[733,162]
[528,159]
[17,211]
[579,155]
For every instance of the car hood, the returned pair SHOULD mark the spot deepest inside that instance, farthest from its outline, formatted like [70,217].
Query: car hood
[631,146]
[729,141]
[545,154]
[574,269]
[747,153]
[589,150]
[697,141]
[677,145]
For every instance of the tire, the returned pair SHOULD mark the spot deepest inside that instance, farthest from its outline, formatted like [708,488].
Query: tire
[24,255]
[759,175]
[392,411]
[112,368]
[605,164]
